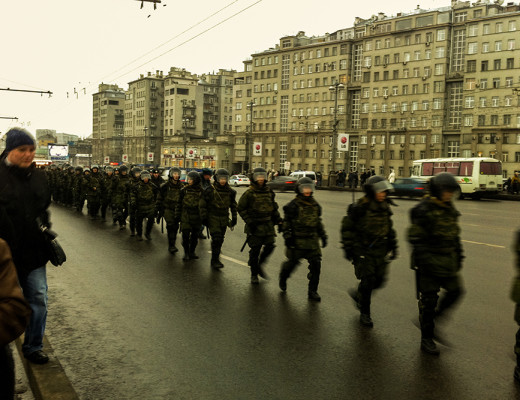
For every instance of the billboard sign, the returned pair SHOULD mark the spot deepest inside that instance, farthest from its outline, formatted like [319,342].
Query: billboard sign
[58,152]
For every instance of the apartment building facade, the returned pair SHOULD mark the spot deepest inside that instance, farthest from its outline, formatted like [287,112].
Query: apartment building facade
[428,83]
[107,124]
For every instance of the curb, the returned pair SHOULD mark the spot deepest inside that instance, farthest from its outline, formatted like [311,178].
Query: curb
[47,381]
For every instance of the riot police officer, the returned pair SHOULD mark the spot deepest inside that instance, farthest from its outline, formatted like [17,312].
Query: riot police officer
[120,197]
[135,178]
[369,241]
[218,200]
[188,212]
[259,210]
[437,254]
[142,200]
[106,198]
[302,229]
[167,202]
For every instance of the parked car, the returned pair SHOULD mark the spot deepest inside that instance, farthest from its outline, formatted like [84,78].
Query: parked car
[411,187]
[304,174]
[239,180]
[283,183]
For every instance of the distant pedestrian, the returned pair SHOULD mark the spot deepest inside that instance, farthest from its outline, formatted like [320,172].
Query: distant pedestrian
[14,316]
[391,176]
[437,255]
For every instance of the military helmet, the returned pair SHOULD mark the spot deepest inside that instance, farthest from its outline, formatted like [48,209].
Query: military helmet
[145,175]
[206,171]
[222,173]
[155,171]
[86,169]
[94,166]
[376,184]
[172,171]
[78,169]
[123,168]
[109,169]
[443,182]
[135,171]
[304,183]
[53,166]
[257,173]
[194,176]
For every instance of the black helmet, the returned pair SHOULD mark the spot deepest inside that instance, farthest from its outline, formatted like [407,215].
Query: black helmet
[136,171]
[155,171]
[222,173]
[206,171]
[304,183]
[257,173]
[123,168]
[145,175]
[443,182]
[194,176]
[78,169]
[376,184]
[174,170]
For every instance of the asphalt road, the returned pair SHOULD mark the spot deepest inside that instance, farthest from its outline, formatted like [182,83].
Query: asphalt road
[129,321]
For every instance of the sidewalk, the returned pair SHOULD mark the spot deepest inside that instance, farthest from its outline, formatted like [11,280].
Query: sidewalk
[41,382]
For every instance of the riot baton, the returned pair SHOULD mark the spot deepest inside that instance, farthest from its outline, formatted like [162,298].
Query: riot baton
[244,245]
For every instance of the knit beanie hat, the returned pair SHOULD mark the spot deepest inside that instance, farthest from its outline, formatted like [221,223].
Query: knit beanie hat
[17,137]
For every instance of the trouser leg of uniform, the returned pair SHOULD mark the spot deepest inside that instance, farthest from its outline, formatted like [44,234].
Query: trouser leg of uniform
[314,273]
[103,210]
[288,266]
[427,304]
[139,224]
[194,240]
[266,252]
[132,221]
[186,241]
[448,299]
[149,224]
[172,229]
[254,252]
[365,288]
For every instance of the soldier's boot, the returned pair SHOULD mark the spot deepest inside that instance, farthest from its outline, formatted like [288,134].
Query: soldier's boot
[353,293]
[364,299]
[314,280]
[215,255]
[171,245]
[186,256]
[429,346]
[148,232]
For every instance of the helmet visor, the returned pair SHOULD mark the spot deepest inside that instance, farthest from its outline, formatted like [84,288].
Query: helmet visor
[304,187]
[382,186]
[259,175]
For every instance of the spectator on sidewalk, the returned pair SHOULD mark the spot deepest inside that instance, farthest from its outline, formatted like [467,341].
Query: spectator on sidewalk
[14,317]
[25,197]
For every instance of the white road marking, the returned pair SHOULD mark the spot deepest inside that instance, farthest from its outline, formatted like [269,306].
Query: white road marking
[485,244]
[232,260]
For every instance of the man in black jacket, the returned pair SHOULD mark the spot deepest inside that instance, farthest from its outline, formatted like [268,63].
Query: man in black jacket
[25,197]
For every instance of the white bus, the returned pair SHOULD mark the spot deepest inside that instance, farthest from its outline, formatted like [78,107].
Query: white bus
[475,175]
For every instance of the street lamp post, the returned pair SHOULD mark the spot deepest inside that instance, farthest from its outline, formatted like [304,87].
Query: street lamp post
[185,124]
[249,136]
[334,89]
[145,129]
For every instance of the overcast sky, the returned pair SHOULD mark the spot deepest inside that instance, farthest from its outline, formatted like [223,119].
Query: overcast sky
[67,45]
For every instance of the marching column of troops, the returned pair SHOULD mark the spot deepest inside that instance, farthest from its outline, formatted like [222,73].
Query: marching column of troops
[367,234]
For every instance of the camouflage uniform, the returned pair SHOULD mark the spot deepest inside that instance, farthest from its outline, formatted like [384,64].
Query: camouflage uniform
[515,296]
[216,203]
[188,213]
[437,258]
[76,188]
[167,201]
[142,200]
[93,188]
[302,229]
[259,210]
[134,180]
[106,199]
[68,196]
[368,236]
[120,198]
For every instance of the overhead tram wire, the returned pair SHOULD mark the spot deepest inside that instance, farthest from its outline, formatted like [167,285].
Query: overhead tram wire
[181,44]
[168,41]
[192,38]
